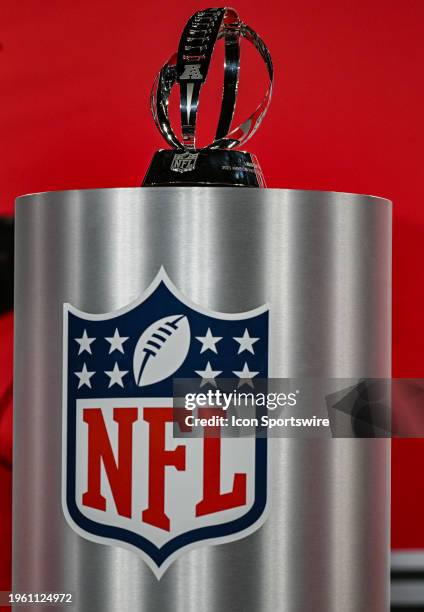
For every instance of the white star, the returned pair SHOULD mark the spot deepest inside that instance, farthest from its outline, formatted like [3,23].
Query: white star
[84,343]
[116,342]
[208,375]
[246,343]
[208,341]
[116,376]
[84,377]
[245,376]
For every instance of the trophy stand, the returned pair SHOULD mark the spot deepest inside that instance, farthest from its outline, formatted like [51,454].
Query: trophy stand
[319,261]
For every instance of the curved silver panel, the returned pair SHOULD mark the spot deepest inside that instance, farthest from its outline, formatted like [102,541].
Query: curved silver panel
[322,261]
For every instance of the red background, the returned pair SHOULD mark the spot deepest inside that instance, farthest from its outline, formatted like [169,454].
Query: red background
[346,115]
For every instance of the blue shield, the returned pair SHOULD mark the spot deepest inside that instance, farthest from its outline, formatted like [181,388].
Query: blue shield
[126,480]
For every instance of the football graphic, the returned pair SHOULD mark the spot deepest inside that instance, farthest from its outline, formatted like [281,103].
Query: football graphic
[161,349]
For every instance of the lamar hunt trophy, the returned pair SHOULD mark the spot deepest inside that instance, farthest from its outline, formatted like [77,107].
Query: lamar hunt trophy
[217,164]
[121,291]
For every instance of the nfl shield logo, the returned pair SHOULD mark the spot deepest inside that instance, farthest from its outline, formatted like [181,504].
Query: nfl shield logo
[184,162]
[126,480]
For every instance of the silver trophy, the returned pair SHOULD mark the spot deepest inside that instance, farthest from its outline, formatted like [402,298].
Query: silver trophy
[218,163]
[118,292]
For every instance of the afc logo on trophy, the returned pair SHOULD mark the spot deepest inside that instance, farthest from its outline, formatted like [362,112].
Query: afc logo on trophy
[191,72]
[127,480]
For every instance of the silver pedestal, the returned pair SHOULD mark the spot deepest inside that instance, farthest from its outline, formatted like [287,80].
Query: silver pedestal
[322,261]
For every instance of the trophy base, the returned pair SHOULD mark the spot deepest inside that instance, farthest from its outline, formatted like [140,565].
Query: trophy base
[207,167]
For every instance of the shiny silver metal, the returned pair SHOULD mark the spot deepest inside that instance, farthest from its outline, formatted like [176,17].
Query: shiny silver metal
[322,261]
[189,67]
[407,586]
[218,164]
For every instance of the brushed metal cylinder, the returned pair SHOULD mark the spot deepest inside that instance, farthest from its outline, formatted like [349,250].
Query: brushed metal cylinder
[322,261]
